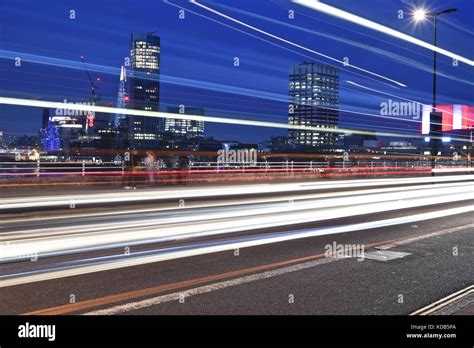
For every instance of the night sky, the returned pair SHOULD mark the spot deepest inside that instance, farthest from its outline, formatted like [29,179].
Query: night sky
[197,57]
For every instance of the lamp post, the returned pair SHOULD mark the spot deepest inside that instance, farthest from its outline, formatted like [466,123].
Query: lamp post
[419,16]
[470,146]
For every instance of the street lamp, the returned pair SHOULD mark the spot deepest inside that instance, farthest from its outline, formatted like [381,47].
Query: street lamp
[420,15]
[470,145]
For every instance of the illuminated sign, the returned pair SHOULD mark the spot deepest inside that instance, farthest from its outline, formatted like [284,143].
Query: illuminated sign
[455,117]
[90,121]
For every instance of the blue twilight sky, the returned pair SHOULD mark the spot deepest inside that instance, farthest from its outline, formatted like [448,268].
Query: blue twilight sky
[197,57]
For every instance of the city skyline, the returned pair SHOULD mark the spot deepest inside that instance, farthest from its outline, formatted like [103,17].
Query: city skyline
[192,165]
[267,97]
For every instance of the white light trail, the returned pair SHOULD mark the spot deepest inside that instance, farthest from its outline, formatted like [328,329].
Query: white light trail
[212,119]
[245,242]
[293,44]
[377,50]
[217,222]
[452,170]
[221,191]
[192,210]
[333,11]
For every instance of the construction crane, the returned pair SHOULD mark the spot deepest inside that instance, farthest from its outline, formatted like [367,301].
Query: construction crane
[95,95]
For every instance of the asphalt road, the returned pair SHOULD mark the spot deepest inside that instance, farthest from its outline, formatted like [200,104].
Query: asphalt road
[242,252]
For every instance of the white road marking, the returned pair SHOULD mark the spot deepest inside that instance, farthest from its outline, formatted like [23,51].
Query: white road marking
[444,301]
[208,288]
[131,306]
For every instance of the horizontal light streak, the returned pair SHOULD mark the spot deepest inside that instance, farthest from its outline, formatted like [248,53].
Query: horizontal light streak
[190,211]
[212,119]
[163,78]
[452,170]
[229,191]
[101,264]
[218,222]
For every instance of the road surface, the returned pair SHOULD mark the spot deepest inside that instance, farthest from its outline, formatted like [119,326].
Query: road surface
[248,249]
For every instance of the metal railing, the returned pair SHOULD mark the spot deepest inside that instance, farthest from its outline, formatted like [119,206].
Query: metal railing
[88,168]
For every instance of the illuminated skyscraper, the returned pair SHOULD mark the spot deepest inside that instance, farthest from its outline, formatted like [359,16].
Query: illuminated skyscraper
[186,129]
[121,99]
[144,90]
[119,124]
[314,102]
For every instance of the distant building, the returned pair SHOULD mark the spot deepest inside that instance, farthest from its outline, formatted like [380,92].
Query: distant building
[210,144]
[356,140]
[184,129]
[144,132]
[22,141]
[45,118]
[58,130]
[374,144]
[275,144]
[314,102]
[119,122]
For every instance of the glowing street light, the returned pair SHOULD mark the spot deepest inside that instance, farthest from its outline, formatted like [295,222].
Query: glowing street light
[420,15]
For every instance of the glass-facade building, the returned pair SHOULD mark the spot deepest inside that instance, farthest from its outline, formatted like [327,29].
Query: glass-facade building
[314,102]
[185,129]
[144,132]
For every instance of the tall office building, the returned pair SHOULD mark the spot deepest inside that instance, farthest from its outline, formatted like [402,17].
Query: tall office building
[314,102]
[184,129]
[144,132]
